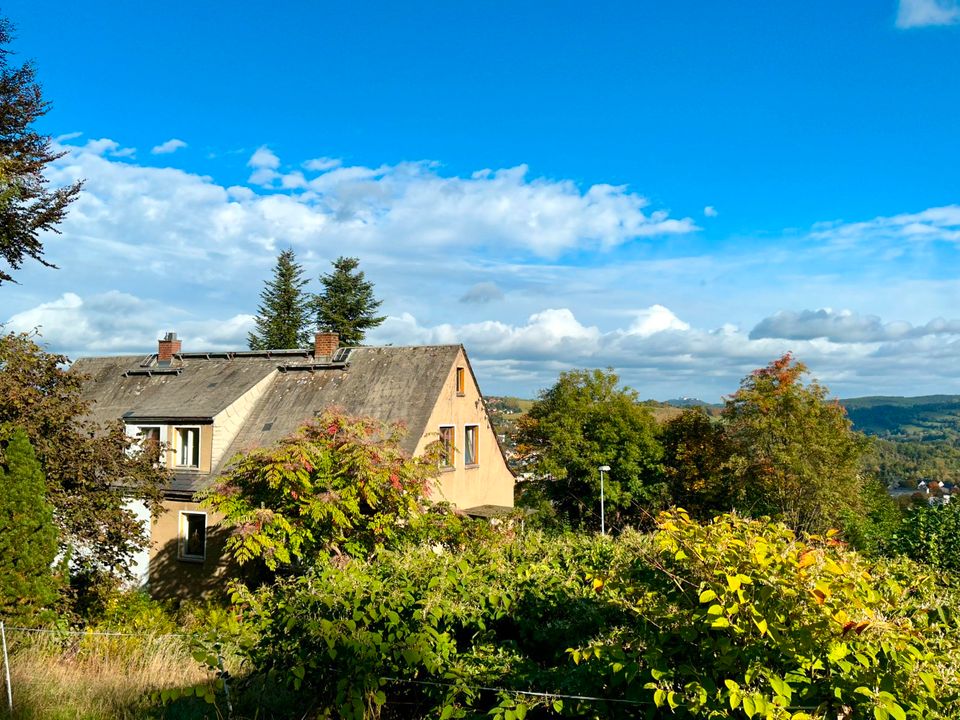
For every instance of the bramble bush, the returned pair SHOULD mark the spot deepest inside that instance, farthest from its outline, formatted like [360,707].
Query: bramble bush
[731,618]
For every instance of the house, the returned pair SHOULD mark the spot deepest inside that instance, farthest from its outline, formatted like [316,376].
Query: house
[203,408]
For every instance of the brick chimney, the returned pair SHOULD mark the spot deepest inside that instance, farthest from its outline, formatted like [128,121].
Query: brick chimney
[167,348]
[325,344]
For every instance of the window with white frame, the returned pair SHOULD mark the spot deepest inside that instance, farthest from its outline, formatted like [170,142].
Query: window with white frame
[193,536]
[147,436]
[149,439]
[188,446]
[447,446]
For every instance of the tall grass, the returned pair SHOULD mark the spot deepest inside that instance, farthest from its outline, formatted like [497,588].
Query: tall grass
[96,677]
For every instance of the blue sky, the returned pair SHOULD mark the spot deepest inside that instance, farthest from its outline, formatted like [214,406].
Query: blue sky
[679,191]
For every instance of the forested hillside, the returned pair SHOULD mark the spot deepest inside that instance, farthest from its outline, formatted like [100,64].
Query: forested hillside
[930,418]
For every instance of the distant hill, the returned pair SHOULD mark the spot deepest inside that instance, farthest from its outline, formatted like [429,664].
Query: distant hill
[928,418]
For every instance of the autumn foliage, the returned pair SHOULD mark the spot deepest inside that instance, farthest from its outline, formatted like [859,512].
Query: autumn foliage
[340,485]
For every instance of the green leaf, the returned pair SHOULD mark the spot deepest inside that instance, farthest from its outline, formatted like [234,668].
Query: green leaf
[707,595]
[897,712]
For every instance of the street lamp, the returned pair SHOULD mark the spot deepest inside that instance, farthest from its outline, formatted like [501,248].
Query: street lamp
[603,526]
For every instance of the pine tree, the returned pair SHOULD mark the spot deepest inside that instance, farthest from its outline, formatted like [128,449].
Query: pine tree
[27,209]
[346,305]
[28,536]
[283,316]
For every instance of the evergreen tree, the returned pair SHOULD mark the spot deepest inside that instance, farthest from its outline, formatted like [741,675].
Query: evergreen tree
[27,208]
[28,536]
[283,316]
[346,305]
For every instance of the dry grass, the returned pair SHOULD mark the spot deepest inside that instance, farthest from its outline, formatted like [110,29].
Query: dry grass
[94,677]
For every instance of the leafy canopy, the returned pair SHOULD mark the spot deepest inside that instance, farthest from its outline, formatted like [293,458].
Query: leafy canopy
[346,305]
[794,454]
[27,208]
[581,423]
[731,618]
[283,316]
[91,470]
[339,485]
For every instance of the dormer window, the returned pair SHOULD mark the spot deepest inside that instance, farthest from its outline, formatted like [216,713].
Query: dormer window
[188,447]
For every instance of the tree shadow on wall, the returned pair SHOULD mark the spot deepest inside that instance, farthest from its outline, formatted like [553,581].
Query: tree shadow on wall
[175,578]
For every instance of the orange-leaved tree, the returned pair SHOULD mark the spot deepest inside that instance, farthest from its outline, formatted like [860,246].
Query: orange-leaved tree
[339,485]
[795,454]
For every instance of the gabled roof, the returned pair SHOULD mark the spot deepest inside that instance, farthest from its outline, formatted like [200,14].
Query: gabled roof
[128,387]
[393,384]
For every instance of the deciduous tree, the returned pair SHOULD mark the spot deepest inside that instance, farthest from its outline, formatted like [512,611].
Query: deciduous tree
[581,423]
[346,305]
[283,316]
[27,207]
[91,470]
[794,453]
[696,463]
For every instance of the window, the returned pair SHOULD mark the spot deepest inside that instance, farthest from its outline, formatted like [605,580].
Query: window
[188,447]
[447,445]
[193,536]
[471,434]
[149,439]
[460,381]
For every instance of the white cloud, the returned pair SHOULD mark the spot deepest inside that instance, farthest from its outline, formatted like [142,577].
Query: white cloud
[655,319]
[170,146]
[105,146]
[116,322]
[264,157]
[894,233]
[147,249]
[322,164]
[264,163]
[710,211]
[926,13]
[670,357]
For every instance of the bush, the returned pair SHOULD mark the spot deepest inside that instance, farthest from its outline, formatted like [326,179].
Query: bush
[729,618]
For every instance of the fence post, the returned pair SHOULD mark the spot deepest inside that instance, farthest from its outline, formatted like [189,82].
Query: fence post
[6,667]
[226,688]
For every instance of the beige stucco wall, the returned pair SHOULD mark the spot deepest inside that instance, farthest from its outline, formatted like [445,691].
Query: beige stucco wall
[171,577]
[228,422]
[489,482]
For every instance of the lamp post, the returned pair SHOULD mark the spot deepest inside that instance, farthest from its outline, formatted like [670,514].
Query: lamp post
[603,526]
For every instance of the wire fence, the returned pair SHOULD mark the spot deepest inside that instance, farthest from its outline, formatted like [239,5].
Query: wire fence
[544,695]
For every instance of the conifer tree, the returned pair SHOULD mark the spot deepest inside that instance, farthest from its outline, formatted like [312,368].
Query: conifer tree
[283,316]
[28,536]
[346,305]
[28,209]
